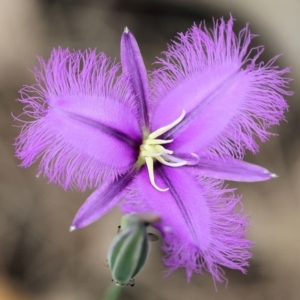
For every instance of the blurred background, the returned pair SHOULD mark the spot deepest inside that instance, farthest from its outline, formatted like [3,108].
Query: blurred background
[39,258]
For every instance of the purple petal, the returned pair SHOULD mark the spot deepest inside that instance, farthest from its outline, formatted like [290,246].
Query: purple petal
[133,66]
[102,200]
[85,128]
[201,225]
[231,169]
[228,97]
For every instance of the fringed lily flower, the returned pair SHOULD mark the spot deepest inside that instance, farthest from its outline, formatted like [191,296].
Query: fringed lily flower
[165,149]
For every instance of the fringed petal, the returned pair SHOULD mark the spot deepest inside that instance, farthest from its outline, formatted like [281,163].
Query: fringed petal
[202,223]
[85,128]
[229,98]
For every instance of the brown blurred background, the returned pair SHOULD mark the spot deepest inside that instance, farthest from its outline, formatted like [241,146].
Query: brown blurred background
[39,258]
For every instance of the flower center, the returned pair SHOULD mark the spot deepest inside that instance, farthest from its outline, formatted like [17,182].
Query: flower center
[152,150]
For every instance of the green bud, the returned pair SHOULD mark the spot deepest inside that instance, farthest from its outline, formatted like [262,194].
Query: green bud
[129,250]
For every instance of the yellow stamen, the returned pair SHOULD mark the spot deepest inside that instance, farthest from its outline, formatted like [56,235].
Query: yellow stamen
[172,163]
[152,150]
[164,129]
[157,141]
[149,162]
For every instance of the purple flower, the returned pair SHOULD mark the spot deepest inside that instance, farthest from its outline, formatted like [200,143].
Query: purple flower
[165,148]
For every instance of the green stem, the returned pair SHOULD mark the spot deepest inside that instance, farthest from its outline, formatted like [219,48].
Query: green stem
[113,292]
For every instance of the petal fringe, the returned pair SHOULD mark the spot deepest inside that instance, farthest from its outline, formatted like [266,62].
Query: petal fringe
[84,125]
[230,98]
[202,223]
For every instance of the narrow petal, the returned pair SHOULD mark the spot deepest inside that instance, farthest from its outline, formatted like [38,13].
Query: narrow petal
[85,126]
[202,228]
[133,66]
[230,169]
[229,97]
[102,200]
